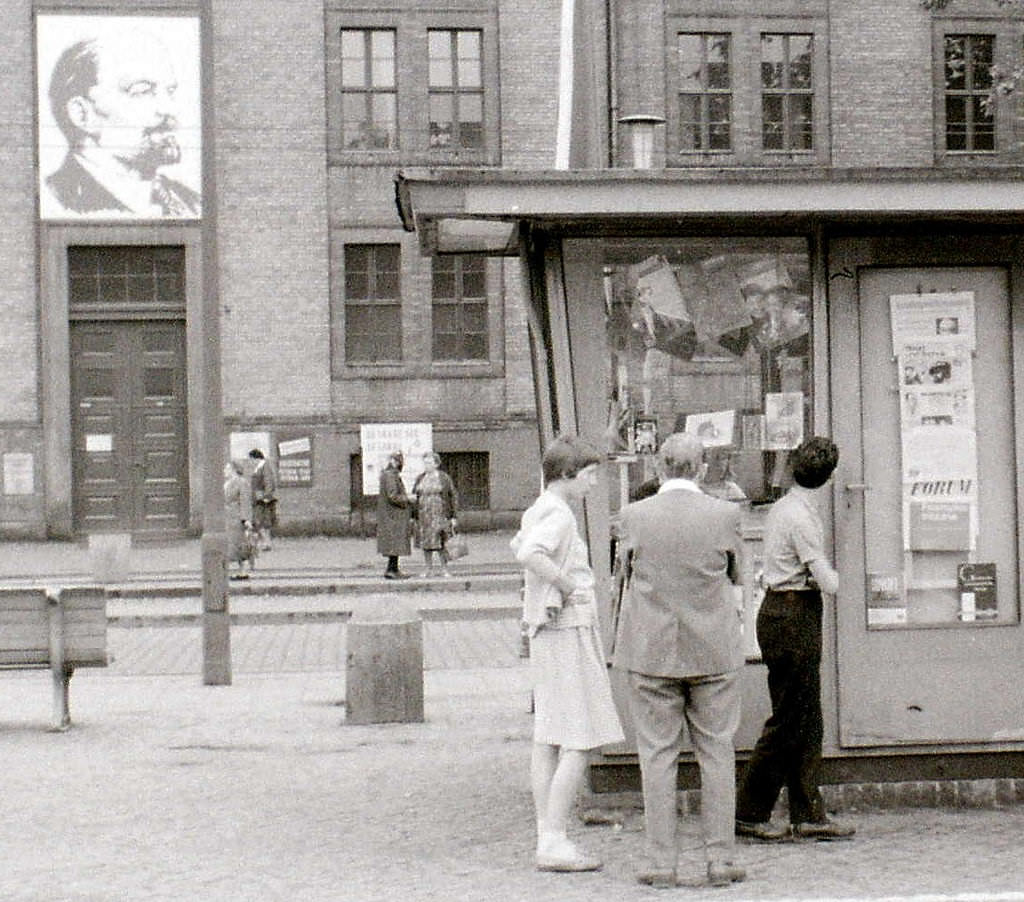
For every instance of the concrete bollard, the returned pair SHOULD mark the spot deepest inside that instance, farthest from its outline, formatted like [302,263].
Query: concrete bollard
[109,554]
[384,662]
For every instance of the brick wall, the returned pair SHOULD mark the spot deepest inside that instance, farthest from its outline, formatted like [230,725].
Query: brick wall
[19,343]
[880,55]
[273,207]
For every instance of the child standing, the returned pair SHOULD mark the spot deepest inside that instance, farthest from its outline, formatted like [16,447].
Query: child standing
[573,707]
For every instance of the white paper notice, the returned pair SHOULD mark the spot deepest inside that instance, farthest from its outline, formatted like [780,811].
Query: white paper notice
[945,317]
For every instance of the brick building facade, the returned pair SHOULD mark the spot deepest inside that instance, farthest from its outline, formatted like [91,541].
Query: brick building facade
[321,330]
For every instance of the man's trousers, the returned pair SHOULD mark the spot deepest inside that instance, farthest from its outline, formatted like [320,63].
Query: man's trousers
[709,706]
[788,753]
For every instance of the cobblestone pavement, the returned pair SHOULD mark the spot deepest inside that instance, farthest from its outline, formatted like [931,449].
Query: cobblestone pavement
[169,790]
[305,646]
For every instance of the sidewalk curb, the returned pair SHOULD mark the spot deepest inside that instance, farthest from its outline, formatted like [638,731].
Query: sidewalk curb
[279,618]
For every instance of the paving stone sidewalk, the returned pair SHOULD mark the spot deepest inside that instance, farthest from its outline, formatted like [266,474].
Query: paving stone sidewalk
[169,790]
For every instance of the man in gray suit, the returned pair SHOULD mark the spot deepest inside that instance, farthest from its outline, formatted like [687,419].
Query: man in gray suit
[679,639]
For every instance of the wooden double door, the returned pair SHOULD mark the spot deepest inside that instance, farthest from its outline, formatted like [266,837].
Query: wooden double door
[129,426]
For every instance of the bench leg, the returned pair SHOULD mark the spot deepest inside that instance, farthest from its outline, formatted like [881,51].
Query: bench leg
[61,697]
[59,670]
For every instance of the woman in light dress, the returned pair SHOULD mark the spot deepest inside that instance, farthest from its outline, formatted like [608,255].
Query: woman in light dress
[573,707]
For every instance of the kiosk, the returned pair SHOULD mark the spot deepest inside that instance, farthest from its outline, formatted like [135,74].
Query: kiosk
[884,308]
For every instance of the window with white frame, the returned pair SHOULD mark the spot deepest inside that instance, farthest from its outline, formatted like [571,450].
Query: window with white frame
[705,91]
[373,304]
[456,89]
[369,94]
[459,307]
[787,92]
[968,60]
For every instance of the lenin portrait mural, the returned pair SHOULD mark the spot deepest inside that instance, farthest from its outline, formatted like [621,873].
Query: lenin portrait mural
[119,117]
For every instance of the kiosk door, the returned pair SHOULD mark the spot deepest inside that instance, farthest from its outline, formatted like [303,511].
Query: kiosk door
[930,646]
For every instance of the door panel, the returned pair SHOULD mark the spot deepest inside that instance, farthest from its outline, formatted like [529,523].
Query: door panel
[929,673]
[129,426]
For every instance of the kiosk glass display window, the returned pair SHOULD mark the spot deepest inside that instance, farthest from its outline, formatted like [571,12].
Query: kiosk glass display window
[710,336]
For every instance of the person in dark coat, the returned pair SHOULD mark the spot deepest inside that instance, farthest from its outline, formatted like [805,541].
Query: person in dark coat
[394,507]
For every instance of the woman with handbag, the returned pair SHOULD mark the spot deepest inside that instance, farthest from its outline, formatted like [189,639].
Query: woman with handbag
[573,707]
[435,512]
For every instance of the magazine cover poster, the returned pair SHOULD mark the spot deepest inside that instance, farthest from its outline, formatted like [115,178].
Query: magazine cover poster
[119,117]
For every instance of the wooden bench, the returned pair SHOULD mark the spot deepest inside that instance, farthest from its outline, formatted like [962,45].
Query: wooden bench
[57,628]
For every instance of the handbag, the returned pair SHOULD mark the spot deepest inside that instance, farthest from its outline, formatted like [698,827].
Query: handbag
[456,546]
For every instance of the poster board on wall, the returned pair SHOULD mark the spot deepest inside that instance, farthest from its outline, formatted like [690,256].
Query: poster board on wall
[378,440]
[119,117]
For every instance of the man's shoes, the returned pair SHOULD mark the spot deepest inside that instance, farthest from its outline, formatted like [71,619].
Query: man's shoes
[394,574]
[762,831]
[823,831]
[659,878]
[722,873]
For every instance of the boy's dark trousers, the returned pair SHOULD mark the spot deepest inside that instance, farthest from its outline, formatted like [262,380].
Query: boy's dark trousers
[788,753]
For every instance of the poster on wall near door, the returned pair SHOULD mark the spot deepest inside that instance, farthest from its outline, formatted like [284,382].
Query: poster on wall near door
[119,117]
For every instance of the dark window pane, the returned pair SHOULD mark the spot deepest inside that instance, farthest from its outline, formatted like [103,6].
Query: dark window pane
[689,122]
[357,284]
[475,347]
[474,317]
[445,347]
[772,122]
[800,124]
[446,318]
[474,279]
[82,290]
[955,62]
[981,61]
[443,283]
[139,289]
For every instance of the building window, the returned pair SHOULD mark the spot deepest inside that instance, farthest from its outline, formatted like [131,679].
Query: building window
[470,472]
[126,275]
[705,92]
[968,61]
[787,92]
[369,99]
[459,307]
[456,92]
[373,303]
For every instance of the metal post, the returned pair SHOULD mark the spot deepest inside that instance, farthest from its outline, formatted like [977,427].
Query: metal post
[216,619]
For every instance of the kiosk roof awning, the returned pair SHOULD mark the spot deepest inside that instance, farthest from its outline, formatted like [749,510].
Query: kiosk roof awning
[482,210]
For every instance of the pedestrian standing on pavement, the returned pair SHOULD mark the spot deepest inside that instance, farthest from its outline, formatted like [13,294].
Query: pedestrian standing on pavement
[264,497]
[796,574]
[435,512]
[242,548]
[680,643]
[573,707]
[394,507]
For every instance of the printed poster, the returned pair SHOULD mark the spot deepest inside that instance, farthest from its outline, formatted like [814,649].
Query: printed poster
[714,429]
[934,318]
[119,117]
[378,440]
[784,420]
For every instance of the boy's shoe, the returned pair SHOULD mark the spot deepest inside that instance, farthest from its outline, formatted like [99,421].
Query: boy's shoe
[823,831]
[722,873]
[762,831]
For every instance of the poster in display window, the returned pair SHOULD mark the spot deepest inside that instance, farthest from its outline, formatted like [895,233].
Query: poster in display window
[119,117]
